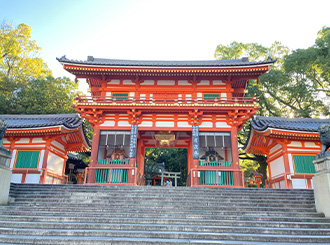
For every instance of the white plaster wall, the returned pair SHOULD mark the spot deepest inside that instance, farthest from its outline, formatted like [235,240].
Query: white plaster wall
[5,141]
[128,82]
[218,82]
[114,81]
[58,145]
[38,140]
[303,150]
[107,94]
[55,163]
[295,144]
[32,179]
[275,148]
[23,140]
[16,178]
[108,123]
[41,158]
[206,125]
[148,82]
[48,180]
[222,125]
[29,146]
[291,162]
[223,95]
[183,82]
[183,124]
[123,124]
[311,144]
[298,184]
[164,124]
[277,166]
[13,157]
[282,182]
[146,124]
[131,94]
[165,82]
[203,82]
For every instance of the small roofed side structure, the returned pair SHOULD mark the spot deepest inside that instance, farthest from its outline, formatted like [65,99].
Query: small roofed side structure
[39,145]
[290,145]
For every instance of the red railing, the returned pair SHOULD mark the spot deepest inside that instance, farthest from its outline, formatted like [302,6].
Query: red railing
[234,179]
[287,178]
[175,101]
[134,177]
[44,173]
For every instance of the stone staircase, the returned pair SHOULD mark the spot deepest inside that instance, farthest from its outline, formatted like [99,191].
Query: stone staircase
[73,214]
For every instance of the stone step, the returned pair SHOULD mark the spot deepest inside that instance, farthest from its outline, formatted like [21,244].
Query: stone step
[319,223]
[236,236]
[295,217]
[87,214]
[92,188]
[165,227]
[164,208]
[126,240]
[105,195]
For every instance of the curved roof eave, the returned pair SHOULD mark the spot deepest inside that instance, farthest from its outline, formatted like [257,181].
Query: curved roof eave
[244,63]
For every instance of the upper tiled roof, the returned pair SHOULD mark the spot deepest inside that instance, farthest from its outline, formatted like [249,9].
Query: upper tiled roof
[39,121]
[297,124]
[156,63]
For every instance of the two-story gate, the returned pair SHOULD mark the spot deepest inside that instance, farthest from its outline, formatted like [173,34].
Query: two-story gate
[198,105]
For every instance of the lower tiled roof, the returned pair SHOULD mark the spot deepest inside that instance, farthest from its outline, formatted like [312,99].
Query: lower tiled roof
[40,121]
[261,123]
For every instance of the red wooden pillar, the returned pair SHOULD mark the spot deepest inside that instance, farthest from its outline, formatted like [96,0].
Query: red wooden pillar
[269,175]
[237,178]
[94,152]
[288,182]
[234,148]
[44,162]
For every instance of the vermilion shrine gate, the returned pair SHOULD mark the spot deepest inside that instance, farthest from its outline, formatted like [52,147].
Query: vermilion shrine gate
[198,105]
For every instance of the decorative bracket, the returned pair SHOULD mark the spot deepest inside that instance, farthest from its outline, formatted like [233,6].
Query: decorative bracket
[195,117]
[134,116]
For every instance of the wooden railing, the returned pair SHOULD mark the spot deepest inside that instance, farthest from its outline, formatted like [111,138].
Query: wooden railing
[42,172]
[113,161]
[216,177]
[113,174]
[216,163]
[174,101]
[287,178]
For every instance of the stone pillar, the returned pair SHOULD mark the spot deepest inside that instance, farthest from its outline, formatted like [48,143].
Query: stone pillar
[5,175]
[321,182]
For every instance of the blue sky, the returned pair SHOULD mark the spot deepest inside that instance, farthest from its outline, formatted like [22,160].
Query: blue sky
[162,30]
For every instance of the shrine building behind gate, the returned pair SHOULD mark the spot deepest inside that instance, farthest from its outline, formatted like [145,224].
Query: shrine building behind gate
[198,105]
[39,145]
[290,145]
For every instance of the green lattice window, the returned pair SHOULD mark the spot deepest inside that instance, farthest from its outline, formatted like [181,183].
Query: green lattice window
[27,159]
[211,96]
[304,164]
[120,96]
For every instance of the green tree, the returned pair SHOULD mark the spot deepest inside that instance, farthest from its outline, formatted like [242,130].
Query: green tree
[298,85]
[43,96]
[19,61]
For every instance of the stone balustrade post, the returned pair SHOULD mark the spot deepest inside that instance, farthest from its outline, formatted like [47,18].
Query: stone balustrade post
[321,182]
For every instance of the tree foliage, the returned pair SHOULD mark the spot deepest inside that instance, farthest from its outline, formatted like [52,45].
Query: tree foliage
[297,86]
[43,96]
[19,61]
[26,83]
